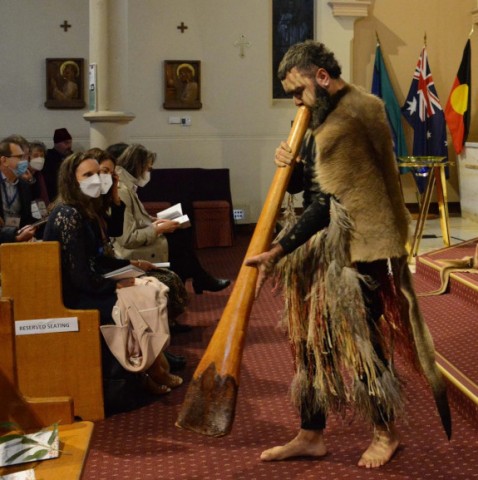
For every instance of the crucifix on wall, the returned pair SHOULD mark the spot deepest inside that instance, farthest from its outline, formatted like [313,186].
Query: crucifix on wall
[242,43]
[182,27]
[65,25]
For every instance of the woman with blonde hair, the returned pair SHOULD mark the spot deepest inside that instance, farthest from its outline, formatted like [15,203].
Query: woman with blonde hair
[153,239]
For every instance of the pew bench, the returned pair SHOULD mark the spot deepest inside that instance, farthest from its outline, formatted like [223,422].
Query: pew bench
[205,192]
[32,414]
[212,223]
[57,363]
[29,412]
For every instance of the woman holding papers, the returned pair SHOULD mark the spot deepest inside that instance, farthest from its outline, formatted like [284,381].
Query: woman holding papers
[76,223]
[153,239]
[113,215]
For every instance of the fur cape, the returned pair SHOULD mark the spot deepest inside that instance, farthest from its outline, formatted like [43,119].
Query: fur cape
[325,311]
[355,155]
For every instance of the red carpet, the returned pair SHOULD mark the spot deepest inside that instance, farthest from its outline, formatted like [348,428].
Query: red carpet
[145,444]
[452,319]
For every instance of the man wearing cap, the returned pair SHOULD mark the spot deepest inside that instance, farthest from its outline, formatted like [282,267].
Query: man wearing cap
[54,156]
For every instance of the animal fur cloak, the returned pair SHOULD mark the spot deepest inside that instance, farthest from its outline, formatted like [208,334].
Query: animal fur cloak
[325,310]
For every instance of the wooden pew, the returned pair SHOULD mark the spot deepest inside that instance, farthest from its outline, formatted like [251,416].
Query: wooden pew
[51,364]
[29,412]
[205,194]
[33,414]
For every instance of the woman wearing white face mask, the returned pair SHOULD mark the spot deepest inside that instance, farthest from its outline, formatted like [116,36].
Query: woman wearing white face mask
[111,208]
[113,213]
[77,224]
[37,162]
[37,156]
[153,239]
[114,210]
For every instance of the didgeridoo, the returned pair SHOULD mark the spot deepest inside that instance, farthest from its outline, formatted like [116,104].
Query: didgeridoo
[210,401]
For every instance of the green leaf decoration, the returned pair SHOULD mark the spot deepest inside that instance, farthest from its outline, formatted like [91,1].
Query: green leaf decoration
[37,448]
[38,455]
[18,454]
[12,436]
[54,434]
[30,441]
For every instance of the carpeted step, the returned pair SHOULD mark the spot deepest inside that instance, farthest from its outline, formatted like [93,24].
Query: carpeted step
[452,320]
[464,284]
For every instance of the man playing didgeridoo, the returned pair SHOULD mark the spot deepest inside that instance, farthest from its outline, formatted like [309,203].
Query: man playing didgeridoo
[349,299]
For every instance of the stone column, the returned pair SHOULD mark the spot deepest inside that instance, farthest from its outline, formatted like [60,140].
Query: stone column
[474,14]
[338,22]
[108,21]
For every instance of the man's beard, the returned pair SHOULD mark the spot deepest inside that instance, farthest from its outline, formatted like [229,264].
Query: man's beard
[322,107]
[64,153]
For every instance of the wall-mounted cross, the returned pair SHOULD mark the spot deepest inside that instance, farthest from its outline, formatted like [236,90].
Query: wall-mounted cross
[182,27]
[242,43]
[65,25]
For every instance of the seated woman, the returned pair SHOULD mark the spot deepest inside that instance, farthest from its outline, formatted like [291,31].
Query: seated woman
[153,239]
[77,223]
[113,216]
[37,161]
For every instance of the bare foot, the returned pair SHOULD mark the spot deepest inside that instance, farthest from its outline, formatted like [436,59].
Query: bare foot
[384,444]
[308,443]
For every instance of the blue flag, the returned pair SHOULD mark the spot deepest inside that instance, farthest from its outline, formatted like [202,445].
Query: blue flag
[382,87]
[424,113]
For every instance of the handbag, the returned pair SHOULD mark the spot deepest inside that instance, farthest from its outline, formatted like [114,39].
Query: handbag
[141,329]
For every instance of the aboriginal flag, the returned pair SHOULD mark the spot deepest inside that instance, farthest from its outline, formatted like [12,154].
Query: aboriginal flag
[457,111]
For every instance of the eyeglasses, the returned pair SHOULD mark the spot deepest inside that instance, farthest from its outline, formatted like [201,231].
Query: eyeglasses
[19,156]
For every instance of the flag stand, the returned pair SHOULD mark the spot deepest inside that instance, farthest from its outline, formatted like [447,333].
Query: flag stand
[436,180]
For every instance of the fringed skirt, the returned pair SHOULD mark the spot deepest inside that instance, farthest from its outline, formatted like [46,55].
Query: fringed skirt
[343,356]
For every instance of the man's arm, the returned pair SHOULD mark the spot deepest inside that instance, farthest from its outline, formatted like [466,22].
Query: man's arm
[314,218]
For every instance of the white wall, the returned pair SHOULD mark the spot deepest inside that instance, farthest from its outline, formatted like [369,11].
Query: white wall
[30,33]
[239,125]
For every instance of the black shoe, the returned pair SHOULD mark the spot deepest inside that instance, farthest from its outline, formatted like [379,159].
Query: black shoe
[210,284]
[176,362]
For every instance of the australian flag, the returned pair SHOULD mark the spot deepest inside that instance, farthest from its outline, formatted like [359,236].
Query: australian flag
[424,113]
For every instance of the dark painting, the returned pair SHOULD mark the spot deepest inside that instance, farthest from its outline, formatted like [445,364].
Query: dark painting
[292,22]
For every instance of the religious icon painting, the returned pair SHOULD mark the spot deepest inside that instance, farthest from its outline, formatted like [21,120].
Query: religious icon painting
[182,85]
[292,22]
[65,83]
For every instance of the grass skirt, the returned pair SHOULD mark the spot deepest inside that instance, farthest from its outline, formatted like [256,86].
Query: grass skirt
[329,327]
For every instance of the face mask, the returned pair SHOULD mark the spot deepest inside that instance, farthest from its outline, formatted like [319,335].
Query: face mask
[142,181]
[21,168]
[106,182]
[37,163]
[91,186]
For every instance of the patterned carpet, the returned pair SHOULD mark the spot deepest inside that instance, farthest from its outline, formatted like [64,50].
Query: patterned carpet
[451,318]
[145,444]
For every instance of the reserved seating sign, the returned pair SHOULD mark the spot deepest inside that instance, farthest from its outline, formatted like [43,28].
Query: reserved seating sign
[46,325]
